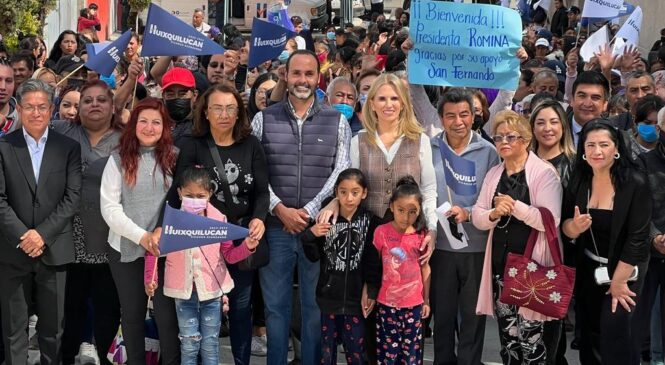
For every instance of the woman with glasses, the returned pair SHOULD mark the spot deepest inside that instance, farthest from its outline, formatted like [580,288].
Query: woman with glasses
[241,193]
[508,206]
[607,211]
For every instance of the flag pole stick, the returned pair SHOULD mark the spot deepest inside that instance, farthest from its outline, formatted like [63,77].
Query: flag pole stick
[69,74]
[579,30]
[152,279]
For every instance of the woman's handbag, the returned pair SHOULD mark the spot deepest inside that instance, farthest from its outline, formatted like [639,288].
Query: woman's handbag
[261,255]
[546,290]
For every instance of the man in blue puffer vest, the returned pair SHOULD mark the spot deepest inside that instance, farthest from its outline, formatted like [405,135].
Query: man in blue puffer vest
[306,146]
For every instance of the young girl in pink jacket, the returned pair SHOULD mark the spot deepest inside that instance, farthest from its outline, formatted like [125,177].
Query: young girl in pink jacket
[197,277]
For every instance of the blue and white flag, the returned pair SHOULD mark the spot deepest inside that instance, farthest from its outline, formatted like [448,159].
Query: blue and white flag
[104,61]
[280,16]
[601,8]
[166,35]
[460,173]
[182,230]
[93,48]
[268,41]
[626,9]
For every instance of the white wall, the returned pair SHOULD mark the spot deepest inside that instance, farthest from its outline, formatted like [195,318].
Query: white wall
[63,17]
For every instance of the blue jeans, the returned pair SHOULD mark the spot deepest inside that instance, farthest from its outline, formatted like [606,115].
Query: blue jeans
[199,324]
[277,286]
[240,314]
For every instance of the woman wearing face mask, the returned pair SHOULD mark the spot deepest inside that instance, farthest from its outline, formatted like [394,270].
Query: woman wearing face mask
[647,130]
[69,103]
[258,96]
[97,130]
[363,84]
[482,114]
[134,184]
[241,194]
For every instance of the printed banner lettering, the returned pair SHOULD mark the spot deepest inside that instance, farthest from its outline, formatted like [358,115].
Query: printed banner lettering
[268,41]
[626,9]
[104,61]
[182,230]
[166,35]
[631,28]
[601,8]
[476,48]
[460,173]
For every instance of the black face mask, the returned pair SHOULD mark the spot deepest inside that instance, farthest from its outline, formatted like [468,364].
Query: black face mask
[661,137]
[477,122]
[179,109]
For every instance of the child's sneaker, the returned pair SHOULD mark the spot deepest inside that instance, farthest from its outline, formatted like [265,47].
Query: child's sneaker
[259,346]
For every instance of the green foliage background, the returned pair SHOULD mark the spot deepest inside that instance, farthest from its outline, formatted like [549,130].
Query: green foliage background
[22,16]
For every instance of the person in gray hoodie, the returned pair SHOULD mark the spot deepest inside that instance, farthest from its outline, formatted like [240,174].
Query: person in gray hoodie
[457,261]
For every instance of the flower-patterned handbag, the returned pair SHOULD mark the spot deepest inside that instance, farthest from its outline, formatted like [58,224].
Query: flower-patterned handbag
[546,290]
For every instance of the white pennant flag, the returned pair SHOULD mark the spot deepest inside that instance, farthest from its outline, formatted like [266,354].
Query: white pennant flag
[618,47]
[594,43]
[601,8]
[631,28]
[545,4]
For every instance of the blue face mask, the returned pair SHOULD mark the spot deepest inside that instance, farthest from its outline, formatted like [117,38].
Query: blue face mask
[362,99]
[284,56]
[647,132]
[345,109]
[330,35]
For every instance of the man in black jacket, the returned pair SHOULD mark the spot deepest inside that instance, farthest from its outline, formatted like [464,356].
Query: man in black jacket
[40,183]
[559,19]
[654,281]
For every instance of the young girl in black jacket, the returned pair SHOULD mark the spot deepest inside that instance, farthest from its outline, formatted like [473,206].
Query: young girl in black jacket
[350,269]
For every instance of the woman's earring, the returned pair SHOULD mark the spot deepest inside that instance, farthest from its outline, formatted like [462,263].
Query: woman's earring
[584,156]
[616,156]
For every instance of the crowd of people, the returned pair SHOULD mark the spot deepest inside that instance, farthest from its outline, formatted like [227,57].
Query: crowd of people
[333,162]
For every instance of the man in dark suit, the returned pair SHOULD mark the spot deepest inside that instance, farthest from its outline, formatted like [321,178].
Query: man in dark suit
[40,183]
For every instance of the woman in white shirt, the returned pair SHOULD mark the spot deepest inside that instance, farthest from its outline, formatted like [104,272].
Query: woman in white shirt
[393,144]
[134,184]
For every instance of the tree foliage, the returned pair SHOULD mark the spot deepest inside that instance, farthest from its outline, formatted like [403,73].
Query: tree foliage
[23,17]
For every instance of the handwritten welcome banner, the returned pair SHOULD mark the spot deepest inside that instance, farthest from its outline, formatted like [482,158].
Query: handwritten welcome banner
[464,45]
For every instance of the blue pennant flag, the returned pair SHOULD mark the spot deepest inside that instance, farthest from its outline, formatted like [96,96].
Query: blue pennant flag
[281,17]
[626,9]
[268,41]
[93,48]
[166,35]
[104,61]
[525,10]
[182,230]
[460,173]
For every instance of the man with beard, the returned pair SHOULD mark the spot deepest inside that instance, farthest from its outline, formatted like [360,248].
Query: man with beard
[8,114]
[306,147]
[179,94]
